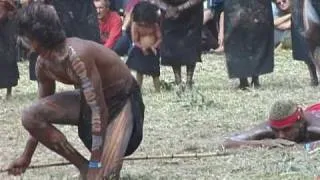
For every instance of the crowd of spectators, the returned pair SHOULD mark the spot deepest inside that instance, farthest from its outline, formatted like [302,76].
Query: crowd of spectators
[223,30]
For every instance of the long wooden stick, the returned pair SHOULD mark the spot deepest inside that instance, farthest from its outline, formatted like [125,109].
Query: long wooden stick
[176,156]
[173,156]
[41,166]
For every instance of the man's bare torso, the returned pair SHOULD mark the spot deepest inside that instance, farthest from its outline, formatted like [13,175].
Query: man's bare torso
[114,74]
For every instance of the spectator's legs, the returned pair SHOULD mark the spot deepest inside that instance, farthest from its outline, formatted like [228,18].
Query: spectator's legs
[177,74]
[255,82]
[243,83]
[9,93]
[220,49]
[313,74]
[139,78]
[190,72]
[156,83]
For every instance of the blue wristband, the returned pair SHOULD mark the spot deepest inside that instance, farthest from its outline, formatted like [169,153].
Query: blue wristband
[94,164]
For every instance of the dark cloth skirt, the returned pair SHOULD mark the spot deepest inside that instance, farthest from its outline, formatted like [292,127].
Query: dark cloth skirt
[144,64]
[32,66]
[181,43]
[9,73]
[300,44]
[300,50]
[115,105]
[249,38]
[79,18]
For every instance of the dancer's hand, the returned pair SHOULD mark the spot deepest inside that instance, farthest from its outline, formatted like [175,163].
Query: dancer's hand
[19,166]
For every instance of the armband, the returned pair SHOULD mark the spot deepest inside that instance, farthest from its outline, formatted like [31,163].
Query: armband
[94,164]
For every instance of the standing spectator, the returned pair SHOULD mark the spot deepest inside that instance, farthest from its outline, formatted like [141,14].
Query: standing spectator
[282,20]
[144,56]
[300,46]
[248,39]
[8,51]
[109,23]
[181,32]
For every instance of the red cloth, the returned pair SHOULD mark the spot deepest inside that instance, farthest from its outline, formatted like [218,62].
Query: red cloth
[110,29]
[315,107]
[290,120]
[287,121]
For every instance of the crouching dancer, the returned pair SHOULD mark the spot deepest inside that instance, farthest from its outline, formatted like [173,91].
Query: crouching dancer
[108,109]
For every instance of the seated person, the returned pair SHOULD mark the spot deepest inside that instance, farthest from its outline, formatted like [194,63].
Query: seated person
[109,23]
[286,121]
[282,20]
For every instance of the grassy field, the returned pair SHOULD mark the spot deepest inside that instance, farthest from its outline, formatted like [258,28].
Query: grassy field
[195,121]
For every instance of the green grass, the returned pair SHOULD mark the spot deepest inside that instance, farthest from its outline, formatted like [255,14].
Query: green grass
[196,121]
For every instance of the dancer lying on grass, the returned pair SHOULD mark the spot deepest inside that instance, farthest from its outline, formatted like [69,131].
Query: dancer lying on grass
[287,121]
[108,108]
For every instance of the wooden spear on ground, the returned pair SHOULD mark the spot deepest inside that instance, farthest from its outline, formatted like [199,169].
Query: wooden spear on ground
[160,157]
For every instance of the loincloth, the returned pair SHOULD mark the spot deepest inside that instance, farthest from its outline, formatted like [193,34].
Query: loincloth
[115,105]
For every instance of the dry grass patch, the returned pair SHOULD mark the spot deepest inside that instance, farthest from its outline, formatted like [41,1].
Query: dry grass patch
[195,121]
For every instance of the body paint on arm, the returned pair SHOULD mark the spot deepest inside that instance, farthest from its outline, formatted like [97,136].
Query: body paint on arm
[91,98]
